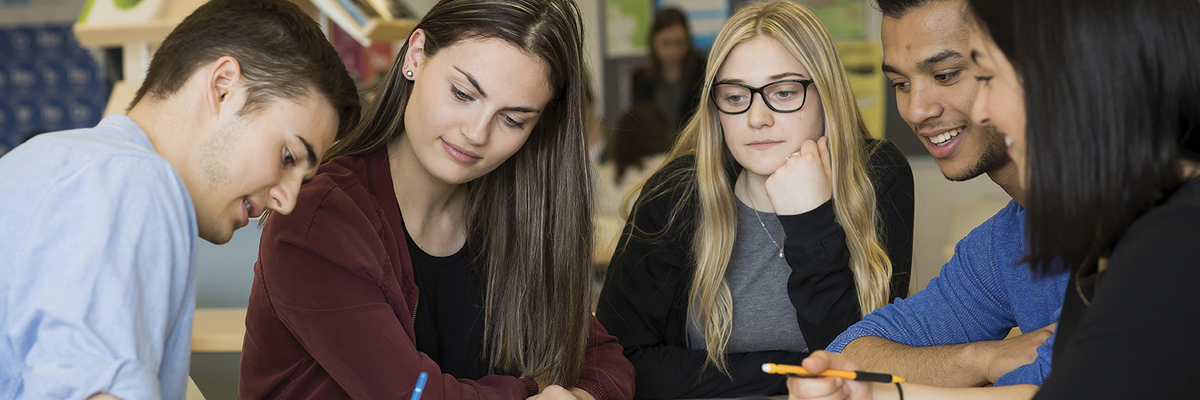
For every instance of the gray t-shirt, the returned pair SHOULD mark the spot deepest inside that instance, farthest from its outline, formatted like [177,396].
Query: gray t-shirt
[763,316]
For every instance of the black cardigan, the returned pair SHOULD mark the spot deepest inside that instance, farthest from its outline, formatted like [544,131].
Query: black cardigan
[1137,337]
[644,300]
[645,89]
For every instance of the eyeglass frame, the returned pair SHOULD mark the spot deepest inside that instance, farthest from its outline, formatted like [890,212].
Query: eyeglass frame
[758,90]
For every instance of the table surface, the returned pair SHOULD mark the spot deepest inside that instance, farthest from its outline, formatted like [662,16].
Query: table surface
[218,330]
[780,396]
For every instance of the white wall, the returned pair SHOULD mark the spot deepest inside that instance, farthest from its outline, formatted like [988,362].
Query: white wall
[945,211]
[592,34]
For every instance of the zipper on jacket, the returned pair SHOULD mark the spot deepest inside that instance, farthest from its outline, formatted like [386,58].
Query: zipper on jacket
[415,303]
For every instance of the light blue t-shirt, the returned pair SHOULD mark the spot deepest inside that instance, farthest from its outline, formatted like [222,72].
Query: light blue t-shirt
[97,246]
[980,294]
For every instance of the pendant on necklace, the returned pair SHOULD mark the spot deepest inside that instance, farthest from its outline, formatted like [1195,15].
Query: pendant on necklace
[780,253]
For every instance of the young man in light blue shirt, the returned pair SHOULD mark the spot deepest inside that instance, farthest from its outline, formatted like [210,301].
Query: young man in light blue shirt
[98,226]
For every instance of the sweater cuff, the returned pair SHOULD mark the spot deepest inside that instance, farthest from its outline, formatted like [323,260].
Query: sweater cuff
[594,388]
[531,386]
[810,228]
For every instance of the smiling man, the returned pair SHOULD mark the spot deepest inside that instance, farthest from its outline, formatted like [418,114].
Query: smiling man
[98,226]
[953,332]
[926,57]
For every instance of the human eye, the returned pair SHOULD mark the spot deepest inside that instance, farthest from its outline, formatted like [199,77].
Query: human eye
[785,90]
[733,96]
[986,80]
[288,158]
[735,99]
[460,95]
[901,86]
[947,76]
[784,97]
[513,123]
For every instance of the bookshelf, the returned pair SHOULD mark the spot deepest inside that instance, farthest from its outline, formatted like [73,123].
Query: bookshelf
[139,40]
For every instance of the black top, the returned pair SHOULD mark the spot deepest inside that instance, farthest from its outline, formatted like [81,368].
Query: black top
[646,89]
[1138,337]
[645,297]
[447,286]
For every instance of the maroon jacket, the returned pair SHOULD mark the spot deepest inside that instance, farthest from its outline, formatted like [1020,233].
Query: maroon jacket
[331,307]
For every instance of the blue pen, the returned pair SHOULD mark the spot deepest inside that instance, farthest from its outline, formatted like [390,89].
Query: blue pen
[420,386]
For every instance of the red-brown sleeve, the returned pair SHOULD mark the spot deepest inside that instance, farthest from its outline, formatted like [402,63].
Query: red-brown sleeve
[330,275]
[607,374]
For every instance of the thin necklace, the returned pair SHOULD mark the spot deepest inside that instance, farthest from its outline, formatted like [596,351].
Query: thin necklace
[756,215]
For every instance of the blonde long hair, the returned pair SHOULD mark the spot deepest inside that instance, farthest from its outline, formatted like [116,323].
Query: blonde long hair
[710,302]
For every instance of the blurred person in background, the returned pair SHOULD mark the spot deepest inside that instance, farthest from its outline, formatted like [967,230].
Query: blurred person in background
[637,146]
[675,74]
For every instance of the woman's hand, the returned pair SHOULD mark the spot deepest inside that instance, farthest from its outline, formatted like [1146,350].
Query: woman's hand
[556,392]
[804,181]
[825,388]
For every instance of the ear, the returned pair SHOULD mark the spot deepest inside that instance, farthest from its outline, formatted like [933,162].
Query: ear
[224,89]
[414,58]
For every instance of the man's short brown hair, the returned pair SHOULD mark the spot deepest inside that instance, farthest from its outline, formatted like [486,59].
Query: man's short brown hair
[280,49]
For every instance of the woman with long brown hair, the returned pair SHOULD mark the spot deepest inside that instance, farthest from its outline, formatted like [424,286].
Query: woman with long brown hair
[774,224]
[447,235]
[674,73]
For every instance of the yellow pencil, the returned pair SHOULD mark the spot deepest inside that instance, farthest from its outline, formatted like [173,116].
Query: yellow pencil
[784,369]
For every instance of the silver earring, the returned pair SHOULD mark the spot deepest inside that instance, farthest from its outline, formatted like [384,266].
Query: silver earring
[408,73]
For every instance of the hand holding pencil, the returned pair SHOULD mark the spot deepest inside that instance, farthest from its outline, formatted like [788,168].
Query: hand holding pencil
[784,369]
[832,376]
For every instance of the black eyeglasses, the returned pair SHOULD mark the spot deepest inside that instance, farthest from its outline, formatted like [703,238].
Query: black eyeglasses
[780,96]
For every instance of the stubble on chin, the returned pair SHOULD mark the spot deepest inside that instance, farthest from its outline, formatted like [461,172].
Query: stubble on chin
[217,238]
[991,155]
[213,154]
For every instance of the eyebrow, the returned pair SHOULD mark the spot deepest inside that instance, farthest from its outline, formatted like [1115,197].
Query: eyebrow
[521,109]
[475,83]
[939,57]
[770,78]
[311,158]
[312,154]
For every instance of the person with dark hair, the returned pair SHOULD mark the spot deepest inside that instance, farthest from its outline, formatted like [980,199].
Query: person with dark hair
[98,226]
[642,131]
[1109,155]
[637,146]
[1109,158]
[675,73]
[450,233]
[953,333]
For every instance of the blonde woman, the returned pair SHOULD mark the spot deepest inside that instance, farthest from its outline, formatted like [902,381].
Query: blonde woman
[775,223]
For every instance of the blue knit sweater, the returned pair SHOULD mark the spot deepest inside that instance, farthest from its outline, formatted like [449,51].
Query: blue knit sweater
[980,294]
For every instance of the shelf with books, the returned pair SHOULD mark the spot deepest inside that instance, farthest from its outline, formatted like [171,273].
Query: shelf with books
[90,33]
[97,27]
[368,20]
[139,34]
